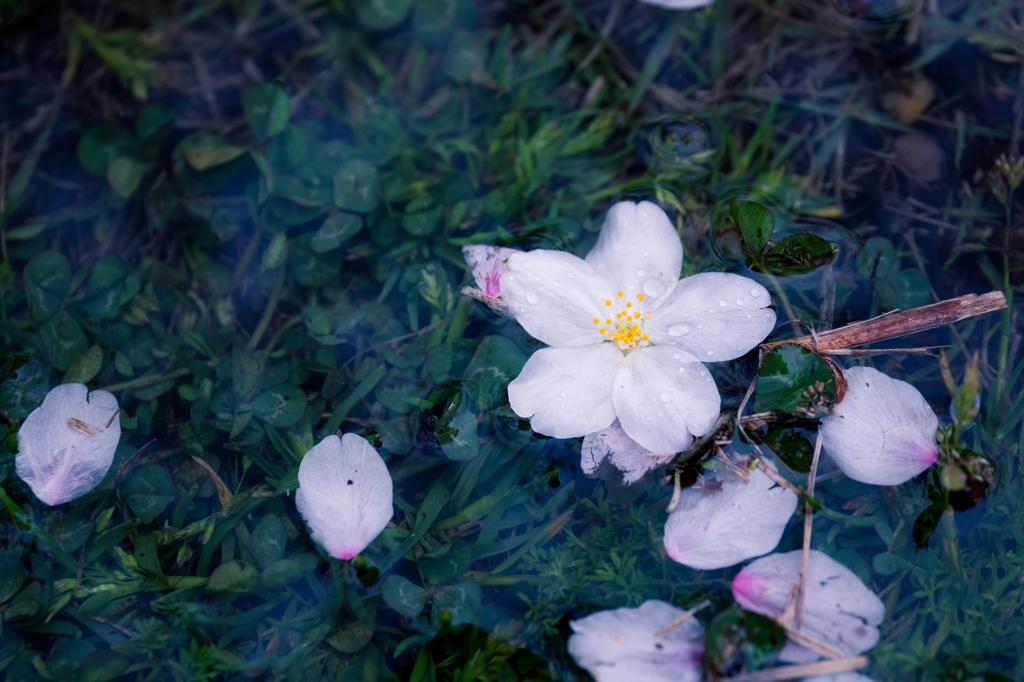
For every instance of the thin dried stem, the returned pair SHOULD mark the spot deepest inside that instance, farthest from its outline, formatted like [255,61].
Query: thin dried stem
[808,522]
[683,618]
[795,672]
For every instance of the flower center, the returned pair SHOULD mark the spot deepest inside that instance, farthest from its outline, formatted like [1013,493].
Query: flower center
[624,321]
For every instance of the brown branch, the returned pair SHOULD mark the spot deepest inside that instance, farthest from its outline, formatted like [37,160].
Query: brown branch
[900,323]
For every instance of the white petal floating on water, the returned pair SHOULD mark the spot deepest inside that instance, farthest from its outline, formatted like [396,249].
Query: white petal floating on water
[628,456]
[727,521]
[67,444]
[679,4]
[623,645]
[488,266]
[839,609]
[883,431]
[839,677]
[344,494]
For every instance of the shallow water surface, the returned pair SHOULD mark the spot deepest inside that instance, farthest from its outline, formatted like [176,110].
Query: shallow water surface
[245,220]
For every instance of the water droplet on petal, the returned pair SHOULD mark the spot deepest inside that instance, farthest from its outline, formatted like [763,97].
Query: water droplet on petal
[653,288]
[641,273]
[527,265]
[723,303]
[570,275]
[682,369]
[563,395]
[676,356]
[665,397]
[678,330]
[755,292]
[739,301]
[711,352]
[532,297]
[557,283]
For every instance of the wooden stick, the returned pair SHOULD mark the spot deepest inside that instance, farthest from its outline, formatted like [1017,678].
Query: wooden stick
[808,522]
[900,323]
[687,615]
[794,672]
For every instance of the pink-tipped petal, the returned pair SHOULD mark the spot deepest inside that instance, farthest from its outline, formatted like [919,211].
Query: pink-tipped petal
[345,494]
[488,266]
[727,521]
[624,645]
[66,445]
[883,431]
[839,609]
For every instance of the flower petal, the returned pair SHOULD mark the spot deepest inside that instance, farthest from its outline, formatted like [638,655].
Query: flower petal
[638,251]
[839,677]
[344,494]
[567,392]
[664,397]
[839,609]
[556,297]
[488,266]
[883,431]
[623,645]
[741,521]
[61,462]
[628,456]
[679,4]
[714,315]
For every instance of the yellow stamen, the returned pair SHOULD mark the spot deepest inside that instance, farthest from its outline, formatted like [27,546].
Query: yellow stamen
[647,317]
[607,302]
[608,321]
[596,321]
[640,296]
[629,304]
[619,294]
[645,337]
[603,330]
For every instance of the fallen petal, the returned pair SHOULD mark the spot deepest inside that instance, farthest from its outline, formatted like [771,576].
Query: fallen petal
[678,4]
[66,445]
[839,677]
[488,266]
[839,609]
[628,456]
[883,432]
[344,494]
[739,522]
[623,645]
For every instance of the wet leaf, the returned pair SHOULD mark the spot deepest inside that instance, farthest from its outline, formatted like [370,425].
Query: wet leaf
[911,289]
[335,231]
[102,144]
[756,223]
[25,390]
[422,224]
[281,405]
[269,541]
[887,563]
[124,175]
[281,573]
[206,156]
[86,367]
[66,657]
[102,665]
[877,258]
[64,340]
[798,254]
[266,109]
[380,15]
[458,605]
[740,641]
[403,596]
[793,379]
[459,439]
[926,523]
[47,282]
[450,564]
[791,447]
[356,186]
[245,373]
[354,635]
[148,491]
[233,576]
[496,363]
[109,282]
[12,576]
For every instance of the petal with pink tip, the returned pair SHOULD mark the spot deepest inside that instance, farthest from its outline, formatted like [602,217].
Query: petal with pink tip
[344,494]
[883,431]
[624,645]
[839,609]
[710,530]
[488,266]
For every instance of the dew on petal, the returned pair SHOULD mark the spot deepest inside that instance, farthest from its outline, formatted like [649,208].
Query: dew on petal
[678,330]
[755,293]
[641,273]
[739,301]
[653,288]
[532,298]
[723,303]
[527,265]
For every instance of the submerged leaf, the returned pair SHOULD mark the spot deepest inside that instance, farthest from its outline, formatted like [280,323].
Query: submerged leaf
[344,494]
[67,444]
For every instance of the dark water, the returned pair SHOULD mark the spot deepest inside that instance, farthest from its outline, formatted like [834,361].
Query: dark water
[200,188]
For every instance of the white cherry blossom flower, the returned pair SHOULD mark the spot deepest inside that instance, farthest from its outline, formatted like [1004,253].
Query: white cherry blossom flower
[345,494]
[627,337]
[883,431]
[728,520]
[67,444]
[628,456]
[839,609]
[626,644]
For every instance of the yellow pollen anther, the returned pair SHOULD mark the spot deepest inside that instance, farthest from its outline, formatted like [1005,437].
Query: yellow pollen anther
[629,304]
[647,317]
[603,330]
[607,302]
[608,321]
[644,337]
[619,294]
[596,320]
[640,296]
